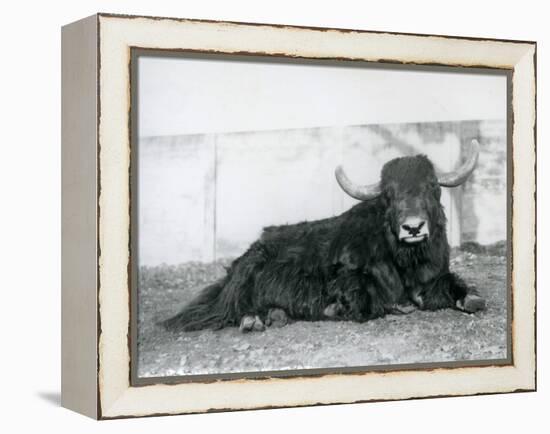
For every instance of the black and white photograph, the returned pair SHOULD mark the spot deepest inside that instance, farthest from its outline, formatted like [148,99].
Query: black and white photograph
[284,217]
[296,215]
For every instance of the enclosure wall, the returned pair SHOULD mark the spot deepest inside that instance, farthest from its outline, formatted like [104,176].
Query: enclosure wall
[79,217]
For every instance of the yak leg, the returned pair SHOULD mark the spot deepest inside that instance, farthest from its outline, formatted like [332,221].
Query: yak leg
[332,311]
[450,291]
[472,302]
[253,323]
[336,310]
[401,309]
[355,297]
[364,294]
[276,318]
[391,290]
[467,298]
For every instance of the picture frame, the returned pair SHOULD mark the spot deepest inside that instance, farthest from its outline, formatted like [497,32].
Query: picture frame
[99,230]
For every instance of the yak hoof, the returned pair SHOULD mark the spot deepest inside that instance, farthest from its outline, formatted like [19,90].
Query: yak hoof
[251,323]
[276,318]
[418,300]
[332,310]
[471,303]
[402,309]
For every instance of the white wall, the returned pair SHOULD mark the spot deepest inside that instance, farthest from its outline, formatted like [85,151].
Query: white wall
[208,196]
[304,109]
[179,96]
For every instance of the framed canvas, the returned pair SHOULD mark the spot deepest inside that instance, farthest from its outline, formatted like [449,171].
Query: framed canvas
[262,216]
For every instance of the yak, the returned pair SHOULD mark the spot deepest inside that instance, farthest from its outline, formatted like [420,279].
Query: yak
[387,254]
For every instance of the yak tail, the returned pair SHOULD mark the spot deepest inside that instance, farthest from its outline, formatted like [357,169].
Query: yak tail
[224,302]
[201,313]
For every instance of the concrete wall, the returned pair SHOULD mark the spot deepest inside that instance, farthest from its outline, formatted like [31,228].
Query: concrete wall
[207,196]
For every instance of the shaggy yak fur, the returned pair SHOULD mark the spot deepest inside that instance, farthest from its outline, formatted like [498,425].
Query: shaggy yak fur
[349,267]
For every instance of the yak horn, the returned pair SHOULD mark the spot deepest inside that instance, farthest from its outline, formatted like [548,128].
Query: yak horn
[360,192]
[457,177]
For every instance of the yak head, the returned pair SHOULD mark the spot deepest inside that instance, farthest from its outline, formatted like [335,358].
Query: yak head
[410,189]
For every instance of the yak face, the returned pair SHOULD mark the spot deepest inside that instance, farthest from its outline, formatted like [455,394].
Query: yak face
[411,193]
[410,189]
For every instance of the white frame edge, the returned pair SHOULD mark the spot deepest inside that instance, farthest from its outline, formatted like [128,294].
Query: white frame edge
[79,383]
[116,36]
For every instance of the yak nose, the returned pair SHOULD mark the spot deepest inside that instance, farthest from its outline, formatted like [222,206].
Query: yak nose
[414,228]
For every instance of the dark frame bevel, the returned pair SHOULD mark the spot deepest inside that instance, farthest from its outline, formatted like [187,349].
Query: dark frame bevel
[134,379]
[98,221]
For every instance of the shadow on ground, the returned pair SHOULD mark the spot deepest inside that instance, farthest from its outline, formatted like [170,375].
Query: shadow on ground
[441,336]
[52,398]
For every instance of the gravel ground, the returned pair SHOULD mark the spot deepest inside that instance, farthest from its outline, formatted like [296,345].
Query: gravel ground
[445,335]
